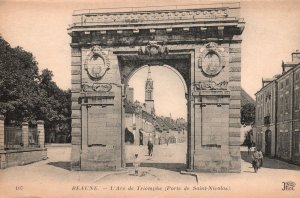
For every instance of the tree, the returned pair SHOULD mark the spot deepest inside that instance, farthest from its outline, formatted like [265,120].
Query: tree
[248,138]
[18,85]
[54,105]
[27,96]
[248,114]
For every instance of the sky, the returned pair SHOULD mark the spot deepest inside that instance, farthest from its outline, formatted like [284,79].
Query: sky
[271,33]
[168,98]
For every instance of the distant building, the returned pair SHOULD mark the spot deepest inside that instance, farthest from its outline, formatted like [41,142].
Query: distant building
[277,122]
[139,123]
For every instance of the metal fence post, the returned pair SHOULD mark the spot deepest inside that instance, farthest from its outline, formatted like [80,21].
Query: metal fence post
[1,132]
[41,133]
[25,131]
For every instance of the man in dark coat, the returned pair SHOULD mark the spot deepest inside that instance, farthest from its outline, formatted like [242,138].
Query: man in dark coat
[150,147]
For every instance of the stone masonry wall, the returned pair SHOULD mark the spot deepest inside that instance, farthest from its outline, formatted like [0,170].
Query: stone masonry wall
[217,134]
[234,106]
[102,118]
[76,107]
[21,157]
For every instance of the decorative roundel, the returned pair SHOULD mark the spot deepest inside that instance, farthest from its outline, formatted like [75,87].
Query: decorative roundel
[211,62]
[95,66]
[96,63]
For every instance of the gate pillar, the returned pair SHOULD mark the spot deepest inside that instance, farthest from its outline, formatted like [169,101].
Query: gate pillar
[216,108]
[97,137]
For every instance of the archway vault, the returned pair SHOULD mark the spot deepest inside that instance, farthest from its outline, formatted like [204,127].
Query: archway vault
[180,64]
[203,45]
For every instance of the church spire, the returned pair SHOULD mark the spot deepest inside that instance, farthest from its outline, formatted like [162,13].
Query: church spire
[149,74]
[149,93]
[149,86]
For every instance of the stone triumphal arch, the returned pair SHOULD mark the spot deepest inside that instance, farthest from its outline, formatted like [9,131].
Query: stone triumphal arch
[203,43]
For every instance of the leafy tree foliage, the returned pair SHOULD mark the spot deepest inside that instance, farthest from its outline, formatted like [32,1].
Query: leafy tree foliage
[26,95]
[18,74]
[248,113]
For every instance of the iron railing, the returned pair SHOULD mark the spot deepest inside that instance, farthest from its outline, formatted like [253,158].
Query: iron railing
[33,137]
[13,137]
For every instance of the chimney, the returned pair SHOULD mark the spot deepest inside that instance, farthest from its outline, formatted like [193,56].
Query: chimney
[266,81]
[296,56]
[283,68]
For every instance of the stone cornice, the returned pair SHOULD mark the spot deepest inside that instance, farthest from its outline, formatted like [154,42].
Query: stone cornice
[218,15]
[229,22]
[143,14]
[196,24]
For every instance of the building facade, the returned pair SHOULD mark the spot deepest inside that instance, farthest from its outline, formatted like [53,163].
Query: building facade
[277,123]
[201,42]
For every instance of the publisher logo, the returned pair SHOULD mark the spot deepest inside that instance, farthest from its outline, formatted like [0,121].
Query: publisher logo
[290,185]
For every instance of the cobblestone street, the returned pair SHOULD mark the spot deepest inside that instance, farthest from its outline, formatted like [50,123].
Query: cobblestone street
[161,169]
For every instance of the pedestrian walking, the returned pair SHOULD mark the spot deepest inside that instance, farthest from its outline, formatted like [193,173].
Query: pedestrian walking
[150,147]
[136,164]
[261,157]
[255,160]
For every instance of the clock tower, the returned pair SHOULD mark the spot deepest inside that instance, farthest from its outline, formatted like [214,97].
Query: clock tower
[149,93]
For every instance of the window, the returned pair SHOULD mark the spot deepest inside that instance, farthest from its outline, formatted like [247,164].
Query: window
[286,105]
[297,99]
[269,104]
[287,81]
[281,85]
[281,105]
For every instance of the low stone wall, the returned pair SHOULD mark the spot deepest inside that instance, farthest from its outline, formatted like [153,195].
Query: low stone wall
[19,157]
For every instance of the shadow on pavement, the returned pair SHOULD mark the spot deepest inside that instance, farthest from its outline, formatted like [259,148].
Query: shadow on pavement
[177,167]
[248,171]
[270,163]
[64,165]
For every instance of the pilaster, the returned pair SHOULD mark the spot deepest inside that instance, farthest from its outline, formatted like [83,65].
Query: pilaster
[25,131]
[41,133]
[76,71]
[2,132]
[234,106]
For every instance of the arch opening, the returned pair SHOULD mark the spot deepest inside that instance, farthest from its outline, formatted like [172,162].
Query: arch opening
[164,128]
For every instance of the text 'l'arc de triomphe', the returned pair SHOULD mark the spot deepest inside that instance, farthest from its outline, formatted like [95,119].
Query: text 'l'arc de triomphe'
[202,42]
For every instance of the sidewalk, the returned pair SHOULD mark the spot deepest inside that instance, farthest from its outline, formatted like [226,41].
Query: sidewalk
[163,169]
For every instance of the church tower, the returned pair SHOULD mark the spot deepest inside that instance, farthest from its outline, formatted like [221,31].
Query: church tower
[149,93]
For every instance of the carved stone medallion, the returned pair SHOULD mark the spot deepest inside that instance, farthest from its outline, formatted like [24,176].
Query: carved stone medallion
[211,61]
[96,63]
